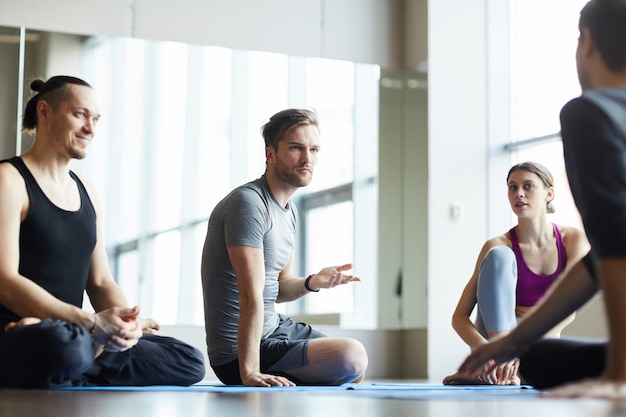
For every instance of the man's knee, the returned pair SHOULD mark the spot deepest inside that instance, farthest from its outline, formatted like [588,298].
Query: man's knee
[359,358]
[352,362]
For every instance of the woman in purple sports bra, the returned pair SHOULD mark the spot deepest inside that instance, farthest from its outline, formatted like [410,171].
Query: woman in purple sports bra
[514,270]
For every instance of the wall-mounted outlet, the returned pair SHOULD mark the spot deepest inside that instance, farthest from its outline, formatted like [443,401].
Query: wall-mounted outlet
[457,211]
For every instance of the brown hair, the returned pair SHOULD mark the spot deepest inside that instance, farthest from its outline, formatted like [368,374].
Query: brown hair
[284,121]
[539,170]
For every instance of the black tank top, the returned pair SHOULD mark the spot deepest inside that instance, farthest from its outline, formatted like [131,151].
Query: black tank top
[56,245]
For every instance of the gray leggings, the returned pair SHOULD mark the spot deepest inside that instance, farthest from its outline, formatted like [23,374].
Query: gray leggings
[496,291]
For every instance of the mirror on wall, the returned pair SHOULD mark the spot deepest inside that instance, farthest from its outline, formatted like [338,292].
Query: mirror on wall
[179,129]
[10,45]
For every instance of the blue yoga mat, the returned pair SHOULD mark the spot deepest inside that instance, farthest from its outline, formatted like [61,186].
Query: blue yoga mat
[236,389]
[233,389]
[416,386]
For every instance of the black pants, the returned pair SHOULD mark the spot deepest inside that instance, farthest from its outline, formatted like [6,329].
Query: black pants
[55,352]
[552,362]
[288,336]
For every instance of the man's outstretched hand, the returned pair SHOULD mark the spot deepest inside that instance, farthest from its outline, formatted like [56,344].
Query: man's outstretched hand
[332,276]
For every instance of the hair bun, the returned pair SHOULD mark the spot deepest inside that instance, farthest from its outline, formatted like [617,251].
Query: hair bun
[37,85]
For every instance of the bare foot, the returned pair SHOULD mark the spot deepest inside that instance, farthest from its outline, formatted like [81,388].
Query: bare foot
[26,321]
[463,379]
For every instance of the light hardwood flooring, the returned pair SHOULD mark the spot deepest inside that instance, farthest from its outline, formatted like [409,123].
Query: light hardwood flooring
[293,403]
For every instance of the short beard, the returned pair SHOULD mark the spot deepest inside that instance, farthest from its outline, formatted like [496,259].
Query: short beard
[287,176]
[77,154]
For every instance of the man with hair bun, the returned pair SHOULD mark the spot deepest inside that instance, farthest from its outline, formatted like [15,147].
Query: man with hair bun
[52,251]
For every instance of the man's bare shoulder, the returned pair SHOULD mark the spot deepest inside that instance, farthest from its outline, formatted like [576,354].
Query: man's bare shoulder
[13,193]
[10,177]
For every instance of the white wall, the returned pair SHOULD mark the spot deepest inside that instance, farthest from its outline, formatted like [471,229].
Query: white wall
[356,30]
[457,166]
[9,83]
[469,119]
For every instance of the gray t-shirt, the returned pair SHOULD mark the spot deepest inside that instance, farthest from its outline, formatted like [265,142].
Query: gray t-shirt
[248,216]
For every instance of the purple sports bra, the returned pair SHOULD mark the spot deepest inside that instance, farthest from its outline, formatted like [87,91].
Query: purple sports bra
[530,286]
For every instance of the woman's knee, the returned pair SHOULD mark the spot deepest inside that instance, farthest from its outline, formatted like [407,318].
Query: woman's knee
[496,290]
[498,269]
[499,259]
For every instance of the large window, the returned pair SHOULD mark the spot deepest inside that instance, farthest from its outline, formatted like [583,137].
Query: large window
[543,78]
[181,127]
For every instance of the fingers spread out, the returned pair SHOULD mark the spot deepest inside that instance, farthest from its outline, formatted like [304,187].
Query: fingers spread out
[344,267]
[266,380]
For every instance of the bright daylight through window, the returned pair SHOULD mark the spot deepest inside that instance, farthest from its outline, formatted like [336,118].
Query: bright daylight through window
[181,128]
[544,36]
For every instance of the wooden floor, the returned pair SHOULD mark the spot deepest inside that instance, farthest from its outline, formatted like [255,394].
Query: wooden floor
[317,403]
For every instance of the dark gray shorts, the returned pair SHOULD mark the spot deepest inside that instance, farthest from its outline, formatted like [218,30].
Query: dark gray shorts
[286,348]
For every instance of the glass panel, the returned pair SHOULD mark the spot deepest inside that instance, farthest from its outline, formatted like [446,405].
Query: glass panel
[329,242]
[266,95]
[169,133]
[156,108]
[196,295]
[551,156]
[543,79]
[131,160]
[166,276]
[544,39]
[10,86]
[214,134]
[129,277]
[330,90]
[117,161]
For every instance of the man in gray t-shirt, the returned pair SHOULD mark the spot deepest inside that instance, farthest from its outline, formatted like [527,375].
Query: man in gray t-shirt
[246,269]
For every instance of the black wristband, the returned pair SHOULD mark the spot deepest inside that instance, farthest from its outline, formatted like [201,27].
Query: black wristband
[306,284]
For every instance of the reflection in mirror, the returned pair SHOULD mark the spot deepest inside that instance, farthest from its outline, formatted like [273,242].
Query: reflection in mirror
[10,71]
[180,128]
[404,210]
